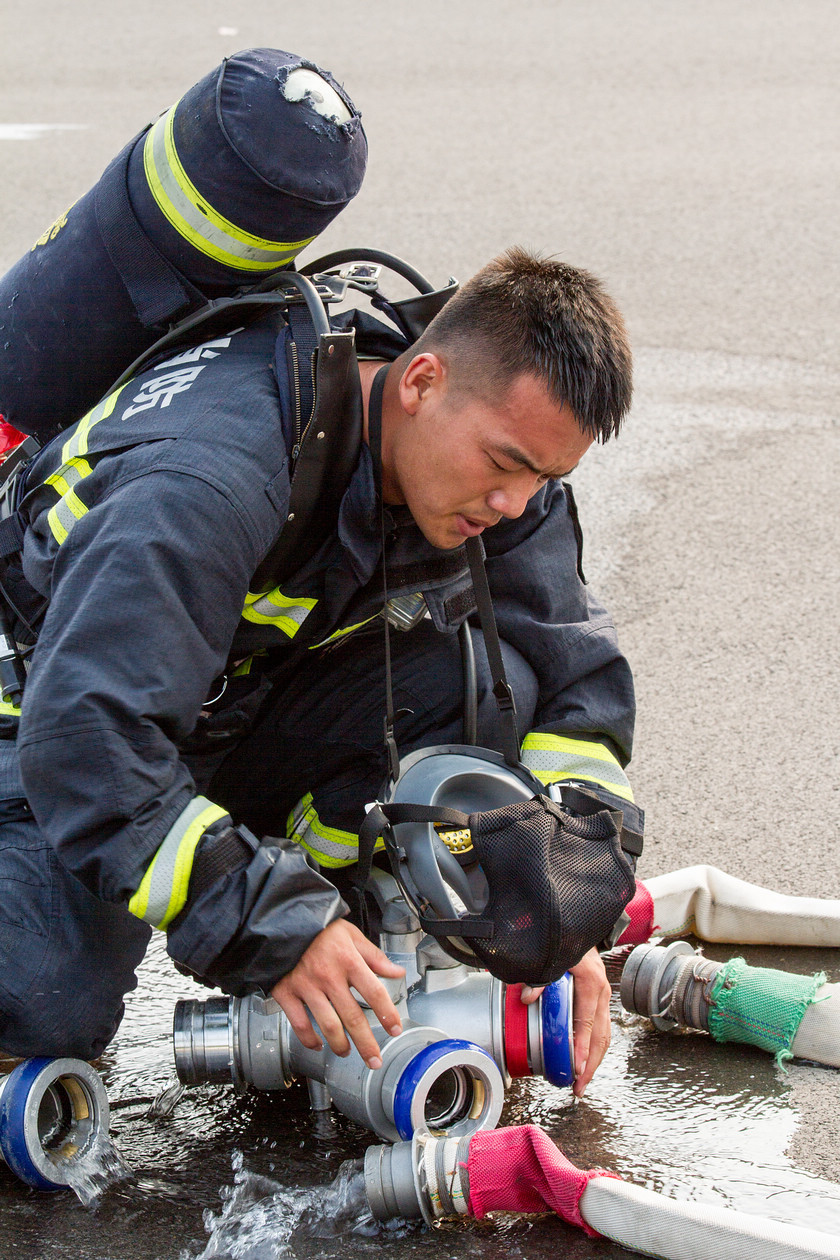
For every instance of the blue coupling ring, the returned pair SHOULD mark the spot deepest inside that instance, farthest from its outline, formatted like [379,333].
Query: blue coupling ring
[482,1109]
[74,1096]
[557,1031]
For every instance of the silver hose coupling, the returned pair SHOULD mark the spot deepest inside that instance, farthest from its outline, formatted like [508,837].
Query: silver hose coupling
[54,1116]
[428,1081]
[426,1177]
[670,985]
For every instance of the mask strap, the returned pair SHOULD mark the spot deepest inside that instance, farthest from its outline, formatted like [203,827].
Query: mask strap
[501,687]
[375,439]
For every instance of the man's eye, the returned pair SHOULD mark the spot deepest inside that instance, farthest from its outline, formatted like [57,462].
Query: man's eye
[497,465]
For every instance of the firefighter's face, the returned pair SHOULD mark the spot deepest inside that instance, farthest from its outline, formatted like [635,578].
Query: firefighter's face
[461,463]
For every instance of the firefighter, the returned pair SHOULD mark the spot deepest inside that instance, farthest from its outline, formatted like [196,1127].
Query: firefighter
[195,747]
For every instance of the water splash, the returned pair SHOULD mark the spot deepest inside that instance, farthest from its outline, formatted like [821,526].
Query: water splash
[263,1220]
[100,1167]
[164,1103]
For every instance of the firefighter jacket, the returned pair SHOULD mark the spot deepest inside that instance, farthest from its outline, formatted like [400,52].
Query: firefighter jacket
[145,525]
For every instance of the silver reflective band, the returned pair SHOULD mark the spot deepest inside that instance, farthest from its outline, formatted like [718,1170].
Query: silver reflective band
[562,765]
[286,612]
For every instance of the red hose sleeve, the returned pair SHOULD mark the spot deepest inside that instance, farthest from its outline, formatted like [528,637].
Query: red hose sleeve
[640,909]
[516,1032]
[521,1170]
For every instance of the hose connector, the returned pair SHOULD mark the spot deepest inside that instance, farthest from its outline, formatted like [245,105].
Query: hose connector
[426,1177]
[54,1115]
[532,1040]
[669,984]
[539,1038]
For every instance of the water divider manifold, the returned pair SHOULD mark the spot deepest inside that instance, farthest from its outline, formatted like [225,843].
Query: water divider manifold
[432,1075]
[53,1119]
[426,1080]
[465,1035]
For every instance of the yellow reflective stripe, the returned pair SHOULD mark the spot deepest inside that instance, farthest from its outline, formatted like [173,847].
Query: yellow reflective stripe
[244,667]
[77,443]
[70,508]
[544,741]
[287,613]
[162,892]
[63,515]
[9,709]
[553,758]
[68,474]
[330,846]
[339,634]
[195,219]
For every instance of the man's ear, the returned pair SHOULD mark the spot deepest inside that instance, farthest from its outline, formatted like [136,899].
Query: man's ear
[426,374]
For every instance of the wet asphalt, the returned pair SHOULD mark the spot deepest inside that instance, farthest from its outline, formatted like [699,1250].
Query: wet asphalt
[688,155]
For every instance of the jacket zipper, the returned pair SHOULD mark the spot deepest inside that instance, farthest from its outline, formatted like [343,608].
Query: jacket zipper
[296,390]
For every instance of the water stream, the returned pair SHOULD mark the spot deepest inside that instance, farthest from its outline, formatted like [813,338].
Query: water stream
[103,1168]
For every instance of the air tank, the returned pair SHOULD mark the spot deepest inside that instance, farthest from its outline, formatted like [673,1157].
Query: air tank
[224,189]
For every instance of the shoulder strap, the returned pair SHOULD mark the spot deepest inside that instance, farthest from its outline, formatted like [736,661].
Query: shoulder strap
[301,360]
[157,290]
[11,535]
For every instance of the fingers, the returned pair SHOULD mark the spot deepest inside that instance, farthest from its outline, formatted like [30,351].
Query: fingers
[296,1013]
[591,1018]
[319,989]
[376,960]
[530,994]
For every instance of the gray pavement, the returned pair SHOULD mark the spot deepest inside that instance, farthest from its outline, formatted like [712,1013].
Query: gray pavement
[688,154]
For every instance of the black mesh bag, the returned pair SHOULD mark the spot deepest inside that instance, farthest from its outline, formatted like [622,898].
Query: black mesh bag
[530,887]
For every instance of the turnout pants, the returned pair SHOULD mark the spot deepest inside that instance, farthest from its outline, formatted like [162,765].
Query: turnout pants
[67,959]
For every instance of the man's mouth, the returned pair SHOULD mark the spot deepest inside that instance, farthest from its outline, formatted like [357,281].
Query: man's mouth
[469,526]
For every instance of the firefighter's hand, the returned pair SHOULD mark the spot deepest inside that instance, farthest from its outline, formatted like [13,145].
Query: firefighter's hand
[319,986]
[591,1016]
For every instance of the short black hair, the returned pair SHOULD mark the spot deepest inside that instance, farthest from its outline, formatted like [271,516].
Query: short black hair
[526,314]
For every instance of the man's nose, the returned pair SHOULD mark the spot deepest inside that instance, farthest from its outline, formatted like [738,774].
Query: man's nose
[513,499]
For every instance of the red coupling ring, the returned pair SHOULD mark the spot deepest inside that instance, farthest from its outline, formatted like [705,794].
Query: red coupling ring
[516,1032]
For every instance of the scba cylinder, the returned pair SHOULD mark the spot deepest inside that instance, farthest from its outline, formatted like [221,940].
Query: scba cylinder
[247,168]
[428,1081]
[53,1118]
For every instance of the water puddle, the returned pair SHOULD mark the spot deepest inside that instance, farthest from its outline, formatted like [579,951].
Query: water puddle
[682,1115]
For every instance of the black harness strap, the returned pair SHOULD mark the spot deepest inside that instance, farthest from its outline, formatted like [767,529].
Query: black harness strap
[11,536]
[378,820]
[375,440]
[157,290]
[501,687]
